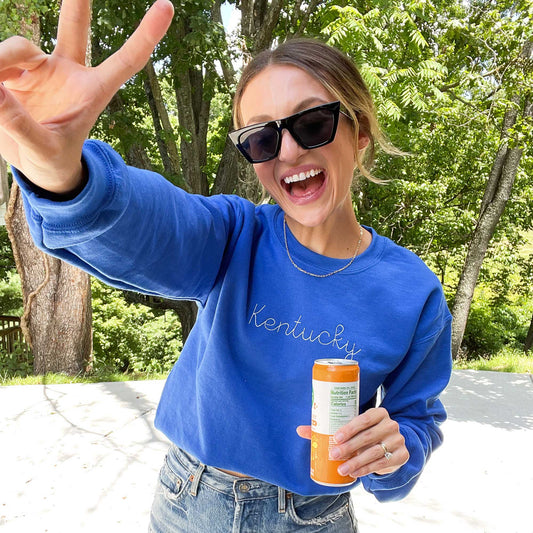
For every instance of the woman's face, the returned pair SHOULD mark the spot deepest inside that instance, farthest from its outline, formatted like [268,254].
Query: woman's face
[277,92]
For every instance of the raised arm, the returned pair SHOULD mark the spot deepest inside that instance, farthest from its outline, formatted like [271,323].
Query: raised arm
[49,103]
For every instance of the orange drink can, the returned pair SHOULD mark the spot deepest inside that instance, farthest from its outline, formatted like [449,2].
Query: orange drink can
[335,403]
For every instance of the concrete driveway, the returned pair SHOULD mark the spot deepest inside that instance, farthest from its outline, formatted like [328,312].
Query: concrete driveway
[80,458]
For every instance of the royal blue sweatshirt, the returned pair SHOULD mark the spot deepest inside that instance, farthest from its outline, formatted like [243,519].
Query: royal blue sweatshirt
[242,383]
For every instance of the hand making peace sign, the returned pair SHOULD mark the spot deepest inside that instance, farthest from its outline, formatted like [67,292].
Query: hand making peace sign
[49,103]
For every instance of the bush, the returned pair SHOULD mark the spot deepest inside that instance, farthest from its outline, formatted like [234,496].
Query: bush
[132,337]
[18,363]
[10,294]
[491,327]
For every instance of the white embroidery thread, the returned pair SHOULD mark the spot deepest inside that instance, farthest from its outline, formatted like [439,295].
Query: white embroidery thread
[297,331]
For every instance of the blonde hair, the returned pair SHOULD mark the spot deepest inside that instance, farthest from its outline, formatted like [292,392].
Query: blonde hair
[338,74]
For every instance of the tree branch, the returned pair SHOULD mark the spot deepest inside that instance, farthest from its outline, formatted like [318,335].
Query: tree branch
[168,132]
[263,37]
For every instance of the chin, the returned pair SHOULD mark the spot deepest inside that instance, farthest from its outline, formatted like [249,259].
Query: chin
[309,220]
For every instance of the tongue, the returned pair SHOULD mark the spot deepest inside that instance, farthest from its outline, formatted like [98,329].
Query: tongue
[308,186]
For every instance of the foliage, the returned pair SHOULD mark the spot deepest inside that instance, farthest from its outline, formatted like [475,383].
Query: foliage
[442,75]
[15,364]
[127,338]
[12,16]
[506,360]
[132,337]
[491,327]
[10,294]
[7,261]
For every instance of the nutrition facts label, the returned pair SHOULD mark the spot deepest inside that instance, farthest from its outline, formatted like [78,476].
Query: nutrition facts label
[334,405]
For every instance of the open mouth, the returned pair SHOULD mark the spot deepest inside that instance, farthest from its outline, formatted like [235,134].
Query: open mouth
[304,183]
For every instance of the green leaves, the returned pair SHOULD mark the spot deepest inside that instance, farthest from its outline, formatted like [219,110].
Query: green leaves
[442,75]
[390,44]
[132,337]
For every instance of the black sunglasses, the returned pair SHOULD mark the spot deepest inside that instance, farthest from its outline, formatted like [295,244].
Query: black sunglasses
[310,128]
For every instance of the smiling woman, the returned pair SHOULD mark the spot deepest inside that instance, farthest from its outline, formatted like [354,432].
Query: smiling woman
[277,285]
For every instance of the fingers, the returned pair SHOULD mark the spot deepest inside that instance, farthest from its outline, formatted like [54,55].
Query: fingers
[73,30]
[17,123]
[18,54]
[359,445]
[136,51]
[373,459]
[365,421]
[304,432]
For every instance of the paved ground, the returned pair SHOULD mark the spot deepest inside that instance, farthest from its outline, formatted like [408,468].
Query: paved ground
[80,458]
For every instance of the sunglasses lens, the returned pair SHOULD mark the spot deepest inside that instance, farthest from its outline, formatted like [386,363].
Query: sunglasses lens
[315,128]
[310,129]
[260,144]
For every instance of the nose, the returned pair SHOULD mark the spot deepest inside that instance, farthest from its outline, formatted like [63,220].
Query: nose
[290,150]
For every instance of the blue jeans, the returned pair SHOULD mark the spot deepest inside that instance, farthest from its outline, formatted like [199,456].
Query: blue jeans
[195,498]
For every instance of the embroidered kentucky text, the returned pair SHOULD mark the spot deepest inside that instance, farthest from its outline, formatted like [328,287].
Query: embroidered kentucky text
[297,330]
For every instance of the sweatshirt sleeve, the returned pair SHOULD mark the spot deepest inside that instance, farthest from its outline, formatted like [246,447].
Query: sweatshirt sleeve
[108,229]
[412,398]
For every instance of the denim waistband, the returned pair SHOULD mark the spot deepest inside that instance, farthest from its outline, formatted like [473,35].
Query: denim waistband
[239,488]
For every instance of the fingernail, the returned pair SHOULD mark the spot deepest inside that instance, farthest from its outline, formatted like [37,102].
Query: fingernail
[334,453]
[339,437]
[343,470]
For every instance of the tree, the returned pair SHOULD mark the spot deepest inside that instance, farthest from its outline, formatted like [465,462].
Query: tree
[191,72]
[443,75]
[4,186]
[497,194]
[57,309]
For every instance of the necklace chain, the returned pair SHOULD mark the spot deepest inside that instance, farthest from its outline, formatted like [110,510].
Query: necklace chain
[329,273]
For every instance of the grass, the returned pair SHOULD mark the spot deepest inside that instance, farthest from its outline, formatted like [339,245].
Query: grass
[507,360]
[92,377]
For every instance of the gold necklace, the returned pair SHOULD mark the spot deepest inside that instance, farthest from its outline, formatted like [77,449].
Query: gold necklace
[329,273]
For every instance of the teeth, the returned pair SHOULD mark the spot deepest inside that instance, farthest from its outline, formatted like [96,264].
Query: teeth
[302,176]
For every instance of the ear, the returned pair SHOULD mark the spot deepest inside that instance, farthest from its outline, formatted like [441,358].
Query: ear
[362,141]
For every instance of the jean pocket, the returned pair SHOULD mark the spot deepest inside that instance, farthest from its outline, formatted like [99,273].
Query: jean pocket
[172,483]
[318,510]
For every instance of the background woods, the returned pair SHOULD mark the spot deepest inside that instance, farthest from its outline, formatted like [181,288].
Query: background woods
[56,318]
[452,83]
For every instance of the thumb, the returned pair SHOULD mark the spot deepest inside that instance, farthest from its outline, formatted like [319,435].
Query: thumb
[304,432]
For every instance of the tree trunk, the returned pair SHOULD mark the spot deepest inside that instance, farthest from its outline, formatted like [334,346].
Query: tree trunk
[187,312]
[192,111]
[4,190]
[166,137]
[259,19]
[497,193]
[57,297]
[57,301]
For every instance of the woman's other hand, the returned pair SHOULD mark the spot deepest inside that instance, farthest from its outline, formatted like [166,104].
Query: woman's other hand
[49,103]
[364,443]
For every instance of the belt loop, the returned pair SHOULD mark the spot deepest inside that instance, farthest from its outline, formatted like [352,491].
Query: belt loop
[195,479]
[281,500]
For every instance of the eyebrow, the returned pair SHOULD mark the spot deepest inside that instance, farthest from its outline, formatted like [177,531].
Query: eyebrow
[304,104]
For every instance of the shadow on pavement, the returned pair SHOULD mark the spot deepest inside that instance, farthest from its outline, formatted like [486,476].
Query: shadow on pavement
[501,400]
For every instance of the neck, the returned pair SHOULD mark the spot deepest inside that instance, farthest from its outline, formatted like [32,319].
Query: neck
[336,237]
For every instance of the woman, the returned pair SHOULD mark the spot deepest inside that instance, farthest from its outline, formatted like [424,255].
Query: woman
[277,286]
